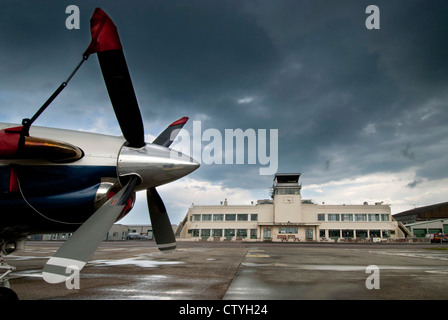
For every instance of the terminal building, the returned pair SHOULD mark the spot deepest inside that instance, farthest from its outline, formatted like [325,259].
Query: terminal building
[287,217]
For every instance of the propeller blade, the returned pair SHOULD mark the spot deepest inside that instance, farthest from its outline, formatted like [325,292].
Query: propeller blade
[106,43]
[75,253]
[122,95]
[169,134]
[161,225]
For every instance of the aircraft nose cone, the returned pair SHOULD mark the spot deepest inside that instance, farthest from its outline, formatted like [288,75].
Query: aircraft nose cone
[154,164]
[179,164]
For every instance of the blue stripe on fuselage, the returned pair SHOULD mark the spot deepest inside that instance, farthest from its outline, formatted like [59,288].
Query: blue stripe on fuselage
[38,181]
[60,192]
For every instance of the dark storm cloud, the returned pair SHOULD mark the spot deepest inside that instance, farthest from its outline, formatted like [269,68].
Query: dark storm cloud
[38,53]
[360,94]
[346,101]
[201,57]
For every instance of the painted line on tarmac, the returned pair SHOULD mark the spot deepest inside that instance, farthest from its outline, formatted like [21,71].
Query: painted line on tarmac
[255,253]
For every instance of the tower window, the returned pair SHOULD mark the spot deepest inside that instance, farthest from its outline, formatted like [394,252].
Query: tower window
[282,191]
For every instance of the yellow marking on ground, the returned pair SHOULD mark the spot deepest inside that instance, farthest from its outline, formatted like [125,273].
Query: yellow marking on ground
[257,256]
[256,253]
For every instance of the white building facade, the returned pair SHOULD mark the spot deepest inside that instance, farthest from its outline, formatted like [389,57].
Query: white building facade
[289,218]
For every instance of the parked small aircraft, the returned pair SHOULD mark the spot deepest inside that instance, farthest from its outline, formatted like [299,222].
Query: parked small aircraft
[59,181]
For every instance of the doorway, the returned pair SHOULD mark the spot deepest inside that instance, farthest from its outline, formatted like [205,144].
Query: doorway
[267,233]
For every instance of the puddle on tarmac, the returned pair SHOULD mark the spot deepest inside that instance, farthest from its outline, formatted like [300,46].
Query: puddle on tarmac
[319,267]
[413,254]
[140,262]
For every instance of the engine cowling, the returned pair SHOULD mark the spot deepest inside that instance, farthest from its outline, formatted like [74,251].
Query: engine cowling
[107,189]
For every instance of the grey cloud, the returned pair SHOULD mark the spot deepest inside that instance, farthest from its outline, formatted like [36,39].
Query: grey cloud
[346,100]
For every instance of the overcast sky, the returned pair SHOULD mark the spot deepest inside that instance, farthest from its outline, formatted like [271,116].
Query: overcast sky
[360,113]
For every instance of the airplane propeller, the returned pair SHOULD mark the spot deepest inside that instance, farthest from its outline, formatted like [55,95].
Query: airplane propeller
[161,225]
[74,254]
[122,95]
[140,166]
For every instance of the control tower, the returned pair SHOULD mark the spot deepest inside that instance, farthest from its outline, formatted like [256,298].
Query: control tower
[287,198]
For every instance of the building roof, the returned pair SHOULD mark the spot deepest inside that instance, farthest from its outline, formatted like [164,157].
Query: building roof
[283,178]
[434,211]
[288,174]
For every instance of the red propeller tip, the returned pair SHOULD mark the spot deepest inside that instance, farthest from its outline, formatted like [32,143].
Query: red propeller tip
[180,121]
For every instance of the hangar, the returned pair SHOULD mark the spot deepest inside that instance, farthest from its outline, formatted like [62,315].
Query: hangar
[431,212]
[288,217]
[425,220]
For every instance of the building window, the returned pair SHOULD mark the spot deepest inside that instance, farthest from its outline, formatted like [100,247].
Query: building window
[374,217]
[333,217]
[308,234]
[205,233]
[229,232]
[196,217]
[241,233]
[243,217]
[385,217]
[360,217]
[348,233]
[334,233]
[267,233]
[282,191]
[253,233]
[386,233]
[346,217]
[206,217]
[218,217]
[194,232]
[375,233]
[361,234]
[322,233]
[285,230]
[231,217]
[254,217]
[217,232]
[320,217]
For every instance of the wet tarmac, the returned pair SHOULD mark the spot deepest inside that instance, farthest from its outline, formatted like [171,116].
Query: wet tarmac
[136,270]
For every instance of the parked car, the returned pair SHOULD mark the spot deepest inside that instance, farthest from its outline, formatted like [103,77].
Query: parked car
[134,236]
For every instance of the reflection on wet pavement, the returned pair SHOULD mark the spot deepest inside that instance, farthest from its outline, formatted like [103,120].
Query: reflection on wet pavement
[249,271]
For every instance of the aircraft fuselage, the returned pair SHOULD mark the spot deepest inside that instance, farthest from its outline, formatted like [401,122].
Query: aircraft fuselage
[42,196]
